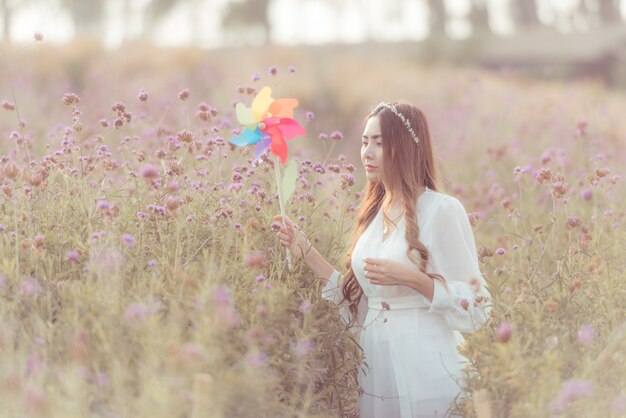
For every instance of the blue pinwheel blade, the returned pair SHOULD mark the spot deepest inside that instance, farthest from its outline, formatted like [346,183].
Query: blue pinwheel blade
[247,137]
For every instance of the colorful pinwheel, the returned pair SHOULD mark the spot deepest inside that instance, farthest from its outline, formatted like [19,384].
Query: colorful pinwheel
[268,123]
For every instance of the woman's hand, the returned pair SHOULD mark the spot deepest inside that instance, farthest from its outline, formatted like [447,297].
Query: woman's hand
[292,238]
[384,272]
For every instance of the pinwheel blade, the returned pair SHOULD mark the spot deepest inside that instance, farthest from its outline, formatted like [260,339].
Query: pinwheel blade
[261,103]
[288,183]
[283,108]
[247,137]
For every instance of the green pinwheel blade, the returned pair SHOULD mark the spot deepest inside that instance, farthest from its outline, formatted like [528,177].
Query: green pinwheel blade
[288,184]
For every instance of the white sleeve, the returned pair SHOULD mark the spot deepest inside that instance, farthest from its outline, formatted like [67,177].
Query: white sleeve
[454,257]
[332,292]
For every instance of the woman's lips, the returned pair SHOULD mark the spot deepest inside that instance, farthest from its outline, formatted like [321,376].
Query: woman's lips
[370,168]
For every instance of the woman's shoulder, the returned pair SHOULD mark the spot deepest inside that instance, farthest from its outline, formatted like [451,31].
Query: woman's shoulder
[443,202]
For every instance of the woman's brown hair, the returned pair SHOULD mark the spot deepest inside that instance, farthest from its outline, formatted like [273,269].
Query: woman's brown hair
[407,167]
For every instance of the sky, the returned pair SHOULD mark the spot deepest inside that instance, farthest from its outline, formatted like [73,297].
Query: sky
[294,21]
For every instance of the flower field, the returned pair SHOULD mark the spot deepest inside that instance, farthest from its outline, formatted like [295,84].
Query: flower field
[141,275]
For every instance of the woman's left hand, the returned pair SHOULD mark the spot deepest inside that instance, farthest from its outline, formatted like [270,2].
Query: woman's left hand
[385,272]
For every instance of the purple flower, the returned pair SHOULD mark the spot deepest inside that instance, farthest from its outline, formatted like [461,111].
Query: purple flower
[305,306]
[134,313]
[303,347]
[103,204]
[336,136]
[500,251]
[72,256]
[29,286]
[272,70]
[586,334]
[504,332]
[310,115]
[256,358]
[256,77]
[586,194]
[323,137]
[149,171]
[571,390]
[128,240]
[152,263]
[291,69]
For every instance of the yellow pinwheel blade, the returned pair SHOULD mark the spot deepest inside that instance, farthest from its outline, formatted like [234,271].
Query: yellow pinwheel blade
[261,103]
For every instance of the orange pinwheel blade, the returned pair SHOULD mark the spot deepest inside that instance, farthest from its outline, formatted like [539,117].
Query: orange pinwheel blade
[283,108]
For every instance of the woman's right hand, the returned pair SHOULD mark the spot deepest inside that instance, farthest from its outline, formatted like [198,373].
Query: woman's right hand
[292,237]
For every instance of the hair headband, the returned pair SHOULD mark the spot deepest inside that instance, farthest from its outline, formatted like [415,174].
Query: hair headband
[401,116]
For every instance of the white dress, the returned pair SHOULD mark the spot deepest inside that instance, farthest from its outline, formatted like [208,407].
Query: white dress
[413,365]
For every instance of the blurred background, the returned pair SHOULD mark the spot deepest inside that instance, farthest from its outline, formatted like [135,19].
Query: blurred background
[349,54]
[547,37]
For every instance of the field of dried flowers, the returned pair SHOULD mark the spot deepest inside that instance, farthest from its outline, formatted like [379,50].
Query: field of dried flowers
[139,270]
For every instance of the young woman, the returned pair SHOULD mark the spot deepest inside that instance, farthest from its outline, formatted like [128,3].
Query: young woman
[413,281]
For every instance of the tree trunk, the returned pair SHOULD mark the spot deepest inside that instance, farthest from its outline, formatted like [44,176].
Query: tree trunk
[6,21]
[479,17]
[437,17]
[609,12]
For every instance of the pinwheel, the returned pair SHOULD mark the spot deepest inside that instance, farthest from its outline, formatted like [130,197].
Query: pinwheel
[269,123]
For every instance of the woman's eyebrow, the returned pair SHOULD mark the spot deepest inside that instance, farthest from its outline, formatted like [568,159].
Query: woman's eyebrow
[372,137]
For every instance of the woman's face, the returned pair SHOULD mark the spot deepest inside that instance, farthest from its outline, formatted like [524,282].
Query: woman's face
[372,149]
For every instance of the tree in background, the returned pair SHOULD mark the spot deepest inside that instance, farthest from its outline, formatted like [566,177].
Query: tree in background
[241,18]
[479,17]
[524,14]
[87,17]
[437,17]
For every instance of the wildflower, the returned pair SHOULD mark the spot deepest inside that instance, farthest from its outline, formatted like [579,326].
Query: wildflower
[500,251]
[586,194]
[255,259]
[38,36]
[103,204]
[570,390]
[323,136]
[185,136]
[504,332]
[152,263]
[303,347]
[602,172]
[291,69]
[135,312]
[572,222]
[183,94]
[8,105]
[260,278]
[70,98]
[256,77]
[149,171]
[272,70]
[586,334]
[336,136]
[559,188]
[128,240]
[464,304]
[142,96]
[305,306]
[73,256]
[29,286]
[310,115]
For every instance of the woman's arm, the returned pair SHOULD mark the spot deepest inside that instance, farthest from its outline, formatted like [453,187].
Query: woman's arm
[466,303]
[318,264]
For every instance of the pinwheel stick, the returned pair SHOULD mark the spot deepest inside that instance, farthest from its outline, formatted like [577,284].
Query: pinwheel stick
[281,203]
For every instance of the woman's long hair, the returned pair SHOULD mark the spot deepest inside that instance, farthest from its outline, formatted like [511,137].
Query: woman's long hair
[406,167]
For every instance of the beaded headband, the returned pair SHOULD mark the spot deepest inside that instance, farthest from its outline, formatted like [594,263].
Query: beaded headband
[401,116]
